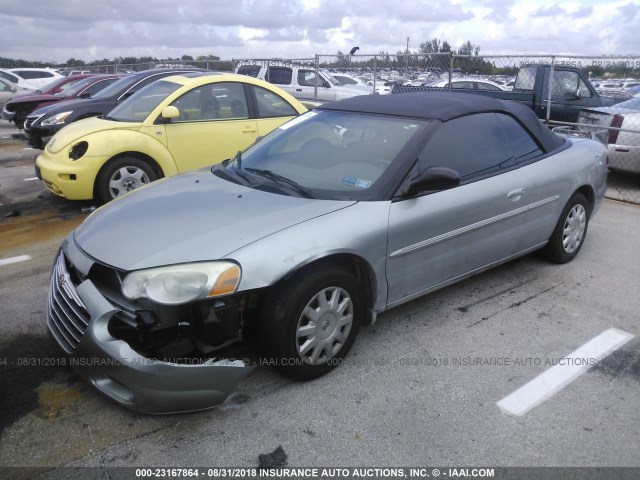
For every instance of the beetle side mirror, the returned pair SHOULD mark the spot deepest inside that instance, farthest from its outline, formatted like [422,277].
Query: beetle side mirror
[433,179]
[170,112]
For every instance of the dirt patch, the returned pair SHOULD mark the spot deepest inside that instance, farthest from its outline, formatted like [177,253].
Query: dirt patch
[26,230]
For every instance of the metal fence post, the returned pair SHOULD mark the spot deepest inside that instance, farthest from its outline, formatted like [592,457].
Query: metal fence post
[315,87]
[375,72]
[549,89]
[451,60]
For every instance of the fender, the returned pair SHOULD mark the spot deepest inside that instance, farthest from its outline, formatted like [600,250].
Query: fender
[105,145]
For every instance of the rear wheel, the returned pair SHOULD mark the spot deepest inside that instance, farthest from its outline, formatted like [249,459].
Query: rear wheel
[310,322]
[568,236]
[123,175]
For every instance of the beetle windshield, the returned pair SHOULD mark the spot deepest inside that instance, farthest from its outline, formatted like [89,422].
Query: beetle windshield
[338,155]
[139,105]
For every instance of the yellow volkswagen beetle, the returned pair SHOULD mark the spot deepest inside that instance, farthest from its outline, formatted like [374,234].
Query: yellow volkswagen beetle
[175,124]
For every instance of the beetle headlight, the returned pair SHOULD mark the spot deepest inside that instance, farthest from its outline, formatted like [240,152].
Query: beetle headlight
[56,119]
[78,150]
[178,284]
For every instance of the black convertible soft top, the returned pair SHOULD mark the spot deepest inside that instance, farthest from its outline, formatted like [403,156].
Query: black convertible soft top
[444,106]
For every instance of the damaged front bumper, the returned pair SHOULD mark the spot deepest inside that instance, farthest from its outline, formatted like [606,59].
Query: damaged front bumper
[78,319]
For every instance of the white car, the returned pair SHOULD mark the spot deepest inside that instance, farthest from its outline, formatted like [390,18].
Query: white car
[32,78]
[381,87]
[624,146]
[8,90]
[469,83]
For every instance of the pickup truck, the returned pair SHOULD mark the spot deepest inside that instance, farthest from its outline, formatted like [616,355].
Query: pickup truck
[571,91]
[301,82]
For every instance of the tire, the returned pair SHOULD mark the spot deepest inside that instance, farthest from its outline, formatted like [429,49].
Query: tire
[299,346]
[123,175]
[568,236]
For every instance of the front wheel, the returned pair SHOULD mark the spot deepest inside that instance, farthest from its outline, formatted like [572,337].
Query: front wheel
[122,176]
[568,236]
[310,323]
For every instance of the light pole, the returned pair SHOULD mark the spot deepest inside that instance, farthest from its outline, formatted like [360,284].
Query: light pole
[406,58]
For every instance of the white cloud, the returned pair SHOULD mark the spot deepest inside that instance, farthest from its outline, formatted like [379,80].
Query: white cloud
[301,28]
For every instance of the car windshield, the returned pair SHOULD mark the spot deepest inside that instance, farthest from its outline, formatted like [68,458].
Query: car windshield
[75,87]
[633,103]
[139,105]
[54,84]
[116,88]
[331,155]
[331,78]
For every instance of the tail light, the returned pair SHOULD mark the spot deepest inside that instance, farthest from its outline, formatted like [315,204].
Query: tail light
[616,123]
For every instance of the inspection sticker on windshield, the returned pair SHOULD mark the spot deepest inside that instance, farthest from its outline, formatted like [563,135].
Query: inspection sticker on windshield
[356,182]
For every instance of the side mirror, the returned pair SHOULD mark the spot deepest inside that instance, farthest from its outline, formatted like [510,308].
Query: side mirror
[84,95]
[170,112]
[433,179]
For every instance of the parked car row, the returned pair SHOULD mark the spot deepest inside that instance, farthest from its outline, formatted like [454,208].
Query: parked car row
[62,89]
[170,124]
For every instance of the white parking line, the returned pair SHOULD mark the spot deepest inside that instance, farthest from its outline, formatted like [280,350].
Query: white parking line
[10,260]
[551,381]
[30,179]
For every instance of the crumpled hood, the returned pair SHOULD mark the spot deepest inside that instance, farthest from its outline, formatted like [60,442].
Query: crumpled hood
[34,97]
[193,217]
[76,130]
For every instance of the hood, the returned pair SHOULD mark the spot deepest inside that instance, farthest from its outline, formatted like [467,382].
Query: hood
[101,105]
[192,217]
[78,129]
[32,98]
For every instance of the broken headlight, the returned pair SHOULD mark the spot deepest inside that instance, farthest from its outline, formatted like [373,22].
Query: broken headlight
[176,284]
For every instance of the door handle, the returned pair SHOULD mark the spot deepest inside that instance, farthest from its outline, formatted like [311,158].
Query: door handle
[515,194]
[249,130]
[298,89]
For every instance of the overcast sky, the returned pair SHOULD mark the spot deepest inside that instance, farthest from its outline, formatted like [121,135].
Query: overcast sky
[57,30]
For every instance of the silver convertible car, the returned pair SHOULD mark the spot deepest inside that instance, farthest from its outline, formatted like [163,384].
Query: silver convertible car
[286,250]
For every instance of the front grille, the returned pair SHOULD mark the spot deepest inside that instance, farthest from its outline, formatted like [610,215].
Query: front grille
[67,316]
[30,120]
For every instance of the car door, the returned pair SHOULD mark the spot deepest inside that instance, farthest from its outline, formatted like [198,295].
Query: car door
[307,80]
[271,110]
[570,94]
[283,78]
[214,125]
[439,237]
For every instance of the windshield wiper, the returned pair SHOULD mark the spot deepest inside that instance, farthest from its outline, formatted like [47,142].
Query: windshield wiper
[280,179]
[237,160]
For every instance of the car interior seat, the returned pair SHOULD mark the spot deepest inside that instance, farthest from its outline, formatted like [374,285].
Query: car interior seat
[210,108]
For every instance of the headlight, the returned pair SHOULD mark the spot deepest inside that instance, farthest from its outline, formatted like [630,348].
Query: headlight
[178,284]
[56,119]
